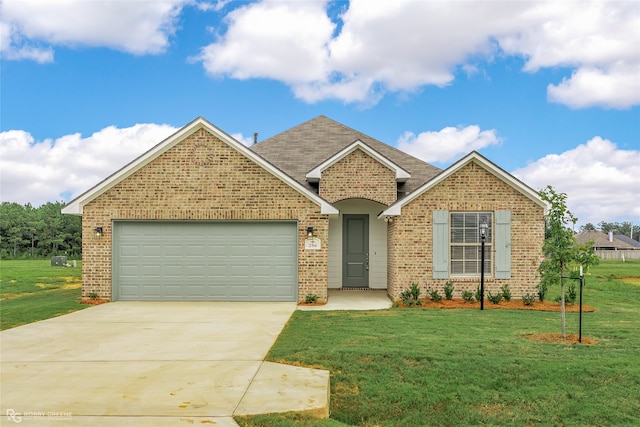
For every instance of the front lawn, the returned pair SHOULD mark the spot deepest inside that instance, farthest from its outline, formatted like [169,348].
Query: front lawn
[415,367]
[32,290]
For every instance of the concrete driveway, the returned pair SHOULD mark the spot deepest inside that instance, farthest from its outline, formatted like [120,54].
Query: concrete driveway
[153,363]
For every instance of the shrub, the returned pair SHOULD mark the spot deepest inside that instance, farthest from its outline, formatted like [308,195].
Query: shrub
[570,296]
[435,296]
[495,299]
[448,290]
[415,291]
[506,292]
[93,296]
[467,296]
[311,298]
[477,295]
[572,293]
[411,296]
[528,299]
[542,290]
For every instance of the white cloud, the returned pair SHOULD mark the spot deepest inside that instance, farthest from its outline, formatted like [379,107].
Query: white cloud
[599,40]
[246,140]
[617,87]
[446,144]
[41,171]
[29,28]
[601,181]
[276,40]
[402,45]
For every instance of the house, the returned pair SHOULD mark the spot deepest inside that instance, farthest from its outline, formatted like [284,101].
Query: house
[201,216]
[607,241]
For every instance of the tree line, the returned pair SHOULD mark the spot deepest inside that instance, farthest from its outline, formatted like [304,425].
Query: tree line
[42,232]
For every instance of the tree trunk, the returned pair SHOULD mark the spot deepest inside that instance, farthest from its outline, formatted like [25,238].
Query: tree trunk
[562,314]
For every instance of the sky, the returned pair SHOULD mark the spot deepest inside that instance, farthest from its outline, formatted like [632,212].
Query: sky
[549,91]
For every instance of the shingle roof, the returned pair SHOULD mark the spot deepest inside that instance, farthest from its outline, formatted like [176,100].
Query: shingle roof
[298,150]
[628,240]
[601,240]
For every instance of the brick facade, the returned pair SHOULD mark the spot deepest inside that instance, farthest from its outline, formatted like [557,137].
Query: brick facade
[472,189]
[359,176]
[202,178]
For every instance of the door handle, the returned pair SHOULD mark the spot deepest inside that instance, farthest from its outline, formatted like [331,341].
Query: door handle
[367,262]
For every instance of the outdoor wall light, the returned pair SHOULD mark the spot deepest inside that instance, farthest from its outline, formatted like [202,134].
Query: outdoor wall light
[98,232]
[309,232]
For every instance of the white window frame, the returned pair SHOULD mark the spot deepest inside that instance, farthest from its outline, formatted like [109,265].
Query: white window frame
[467,233]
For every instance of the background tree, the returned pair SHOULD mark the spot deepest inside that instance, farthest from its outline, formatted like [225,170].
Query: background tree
[588,227]
[40,232]
[560,247]
[625,228]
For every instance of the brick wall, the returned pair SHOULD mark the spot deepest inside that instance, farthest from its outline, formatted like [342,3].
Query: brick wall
[202,178]
[470,189]
[359,176]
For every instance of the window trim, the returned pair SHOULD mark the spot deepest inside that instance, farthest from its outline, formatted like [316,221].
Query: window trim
[489,245]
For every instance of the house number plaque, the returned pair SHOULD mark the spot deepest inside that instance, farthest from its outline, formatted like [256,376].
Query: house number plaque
[312,244]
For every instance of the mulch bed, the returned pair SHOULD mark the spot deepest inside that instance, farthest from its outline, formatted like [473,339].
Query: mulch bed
[95,301]
[556,338]
[503,305]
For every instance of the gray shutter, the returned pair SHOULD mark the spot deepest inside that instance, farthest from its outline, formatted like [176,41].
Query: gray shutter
[440,244]
[503,244]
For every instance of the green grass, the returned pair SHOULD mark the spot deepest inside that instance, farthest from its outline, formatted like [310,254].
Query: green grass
[417,367]
[32,290]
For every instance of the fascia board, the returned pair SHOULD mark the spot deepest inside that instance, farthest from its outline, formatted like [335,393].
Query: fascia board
[315,173]
[490,167]
[75,207]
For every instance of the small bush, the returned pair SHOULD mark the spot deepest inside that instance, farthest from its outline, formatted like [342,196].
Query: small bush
[93,296]
[572,293]
[448,290]
[467,296]
[542,290]
[506,292]
[435,296]
[477,295]
[528,299]
[311,299]
[495,299]
[406,298]
[415,291]
[411,296]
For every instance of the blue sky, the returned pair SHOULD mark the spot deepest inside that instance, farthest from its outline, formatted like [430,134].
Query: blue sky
[549,91]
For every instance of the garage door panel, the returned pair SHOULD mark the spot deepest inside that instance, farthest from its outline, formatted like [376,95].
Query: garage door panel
[232,261]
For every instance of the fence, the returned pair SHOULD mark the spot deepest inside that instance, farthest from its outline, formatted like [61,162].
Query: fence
[618,254]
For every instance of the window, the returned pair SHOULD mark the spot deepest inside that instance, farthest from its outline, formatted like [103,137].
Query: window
[465,243]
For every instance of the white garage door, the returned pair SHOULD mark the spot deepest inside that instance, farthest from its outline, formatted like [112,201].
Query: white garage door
[205,261]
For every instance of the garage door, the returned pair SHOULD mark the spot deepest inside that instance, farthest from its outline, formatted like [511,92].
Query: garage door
[205,261]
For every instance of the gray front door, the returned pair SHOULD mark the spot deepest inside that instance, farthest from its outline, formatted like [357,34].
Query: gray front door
[355,251]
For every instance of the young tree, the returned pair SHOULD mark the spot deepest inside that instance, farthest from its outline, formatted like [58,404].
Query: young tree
[560,247]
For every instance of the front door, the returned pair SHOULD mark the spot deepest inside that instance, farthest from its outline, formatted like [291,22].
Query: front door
[355,251]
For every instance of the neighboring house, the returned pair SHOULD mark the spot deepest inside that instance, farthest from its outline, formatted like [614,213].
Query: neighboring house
[320,206]
[607,241]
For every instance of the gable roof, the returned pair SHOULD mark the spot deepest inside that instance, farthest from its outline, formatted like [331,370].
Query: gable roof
[601,240]
[302,148]
[481,161]
[76,206]
[315,173]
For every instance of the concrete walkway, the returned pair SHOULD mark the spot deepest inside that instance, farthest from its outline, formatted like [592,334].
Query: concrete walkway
[153,364]
[339,299]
